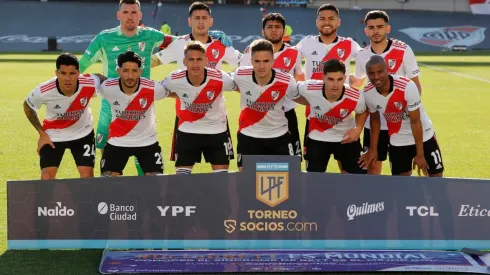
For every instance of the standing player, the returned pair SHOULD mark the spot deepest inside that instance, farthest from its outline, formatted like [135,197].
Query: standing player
[68,123]
[412,137]
[263,126]
[286,59]
[401,61]
[332,128]
[132,130]
[109,44]
[202,123]
[200,20]
[325,46]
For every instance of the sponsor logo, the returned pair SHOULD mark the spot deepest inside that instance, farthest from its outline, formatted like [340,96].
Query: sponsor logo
[58,211]
[272,183]
[365,209]
[174,211]
[422,211]
[117,212]
[272,188]
[57,106]
[467,210]
[447,36]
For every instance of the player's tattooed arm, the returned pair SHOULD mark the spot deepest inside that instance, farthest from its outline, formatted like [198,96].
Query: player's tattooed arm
[155,61]
[102,78]
[31,115]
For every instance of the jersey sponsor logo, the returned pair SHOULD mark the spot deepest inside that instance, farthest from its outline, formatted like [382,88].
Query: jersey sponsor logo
[322,122]
[203,102]
[447,37]
[395,111]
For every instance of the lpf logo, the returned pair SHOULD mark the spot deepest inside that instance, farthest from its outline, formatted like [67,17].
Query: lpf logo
[272,183]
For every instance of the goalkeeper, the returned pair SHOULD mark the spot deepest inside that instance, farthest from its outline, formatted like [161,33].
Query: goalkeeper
[110,43]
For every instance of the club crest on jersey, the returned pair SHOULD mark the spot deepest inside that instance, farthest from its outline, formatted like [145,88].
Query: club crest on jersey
[287,61]
[99,138]
[210,95]
[215,53]
[391,63]
[84,101]
[340,52]
[398,105]
[143,102]
[344,112]
[274,95]
[142,46]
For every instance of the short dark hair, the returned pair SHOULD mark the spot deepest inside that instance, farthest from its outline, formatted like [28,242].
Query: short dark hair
[130,2]
[261,45]
[129,56]
[194,46]
[327,7]
[274,16]
[67,59]
[376,14]
[199,6]
[333,66]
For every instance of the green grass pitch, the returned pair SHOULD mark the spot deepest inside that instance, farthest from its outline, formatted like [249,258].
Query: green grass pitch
[456,96]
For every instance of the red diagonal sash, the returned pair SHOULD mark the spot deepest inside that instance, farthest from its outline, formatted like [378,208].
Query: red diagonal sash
[392,109]
[286,60]
[394,59]
[79,103]
[207,95]
[334,115]
[249,116]
[344,46]
[214,52]
[120,127]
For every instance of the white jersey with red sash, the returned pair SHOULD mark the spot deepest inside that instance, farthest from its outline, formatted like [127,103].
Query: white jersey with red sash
[216,53]
[400,60]
[330,121]
[202,109]
[317,53]
[67,117]
[395,107]
[133,116]
[288,60]
[262,114]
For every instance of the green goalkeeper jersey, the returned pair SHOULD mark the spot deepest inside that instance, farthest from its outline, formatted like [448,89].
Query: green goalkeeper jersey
[110,43]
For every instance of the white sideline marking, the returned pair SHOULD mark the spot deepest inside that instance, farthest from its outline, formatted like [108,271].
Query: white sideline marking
[456,73]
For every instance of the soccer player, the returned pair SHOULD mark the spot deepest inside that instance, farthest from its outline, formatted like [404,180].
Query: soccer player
[200,20]
[68,122]
[412,137]
[132,130]
[317,49]
[110,43]
[263,126]
[287,59]
[401,61]
[202,122]
[332,128]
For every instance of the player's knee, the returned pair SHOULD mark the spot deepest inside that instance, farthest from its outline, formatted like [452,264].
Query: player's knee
[48,174]
[183,171]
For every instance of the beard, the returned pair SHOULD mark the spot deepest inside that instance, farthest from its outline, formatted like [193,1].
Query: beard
[129,85]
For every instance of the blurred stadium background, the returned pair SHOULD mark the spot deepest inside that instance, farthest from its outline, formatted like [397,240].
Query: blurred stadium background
[447,36]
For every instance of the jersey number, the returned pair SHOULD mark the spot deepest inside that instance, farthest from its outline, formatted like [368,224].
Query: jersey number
[89,151]
[437,156]
[159,158]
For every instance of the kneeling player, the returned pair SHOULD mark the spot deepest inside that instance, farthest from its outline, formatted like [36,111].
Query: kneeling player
[263,126]
[332,129]
[68,123]
[202,127]
[412,137]
[132,130]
